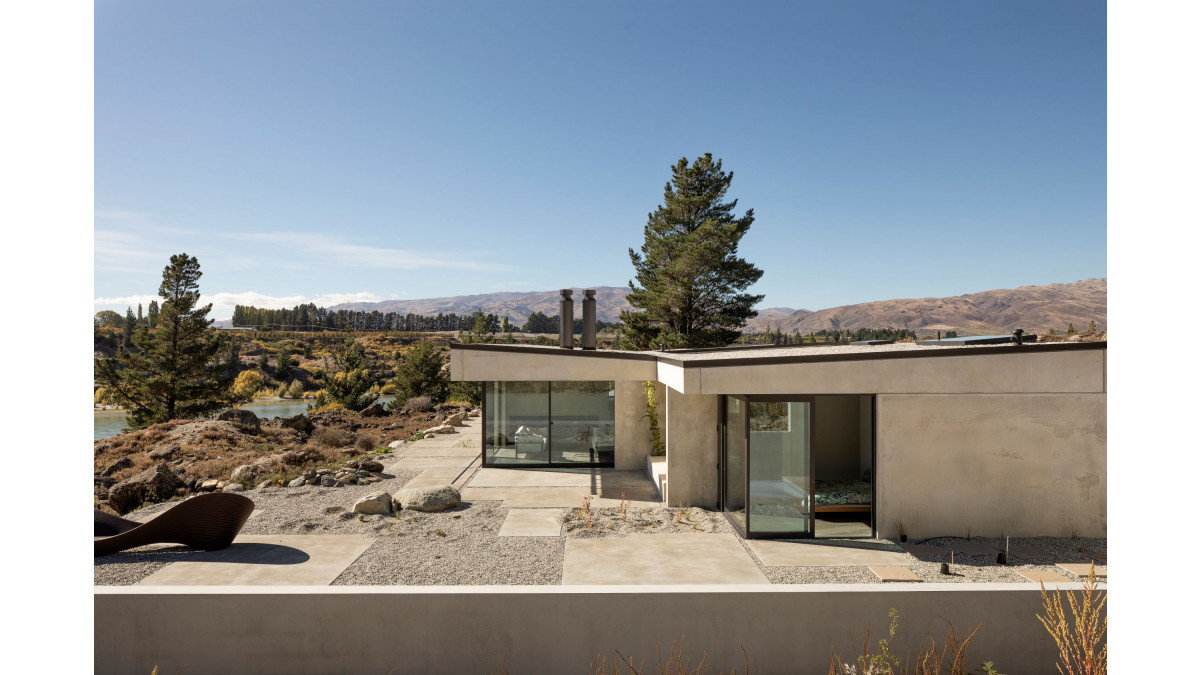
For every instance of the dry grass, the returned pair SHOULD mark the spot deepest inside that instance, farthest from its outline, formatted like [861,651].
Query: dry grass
[332,438]
[950,658]
[676,664]
[1082,647]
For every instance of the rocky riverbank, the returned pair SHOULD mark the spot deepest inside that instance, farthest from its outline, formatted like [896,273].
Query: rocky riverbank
[239,451]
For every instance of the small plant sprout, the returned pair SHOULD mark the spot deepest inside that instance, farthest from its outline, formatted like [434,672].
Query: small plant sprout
[900,529]
[624,504]
[1074,533]
[970,531]
[585,509]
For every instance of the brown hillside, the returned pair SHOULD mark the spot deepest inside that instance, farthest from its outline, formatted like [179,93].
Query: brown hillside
[610,300]
[1033,308]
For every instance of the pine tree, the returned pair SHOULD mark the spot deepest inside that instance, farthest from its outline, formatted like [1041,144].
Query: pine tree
[419,373]
[152,313]
[1070,329]
[1092,326]
[128,326]
[283,364]
[140,319]
[175,372]
[690,281]
[348,380]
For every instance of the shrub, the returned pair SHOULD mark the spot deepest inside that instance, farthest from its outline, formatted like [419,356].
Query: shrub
[419,373]
[332,438]
[465,392]
[418,404]
[366,442]
[295,389]
[281,391]
[1079,637]
[950,658]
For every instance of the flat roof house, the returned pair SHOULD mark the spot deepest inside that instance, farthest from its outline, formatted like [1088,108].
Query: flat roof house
[822,441]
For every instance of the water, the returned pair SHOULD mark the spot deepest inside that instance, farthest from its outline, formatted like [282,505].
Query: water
[109,423]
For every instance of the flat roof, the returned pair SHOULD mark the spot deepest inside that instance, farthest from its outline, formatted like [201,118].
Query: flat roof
[758,354]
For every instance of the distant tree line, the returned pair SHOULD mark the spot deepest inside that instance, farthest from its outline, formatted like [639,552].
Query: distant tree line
[310,317]
[776,336]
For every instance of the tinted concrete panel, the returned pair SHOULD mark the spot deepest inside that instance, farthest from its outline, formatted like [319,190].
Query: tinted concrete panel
[659,559]
[532,523]
[804,554]
[266,560]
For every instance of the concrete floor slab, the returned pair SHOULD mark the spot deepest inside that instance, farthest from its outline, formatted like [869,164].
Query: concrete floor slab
[973,548]
[895,574]
[565,497]
[659,559]
[1044,576]
[495,477]
[805,554]
[430,477]
[416,452]
[532,523]
[1081,570]
[266,560]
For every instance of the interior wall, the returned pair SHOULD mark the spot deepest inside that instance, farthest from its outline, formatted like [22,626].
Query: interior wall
[865,436]
[837,444]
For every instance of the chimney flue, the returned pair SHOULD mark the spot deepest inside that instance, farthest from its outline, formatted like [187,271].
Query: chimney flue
[589,319]
[566,320]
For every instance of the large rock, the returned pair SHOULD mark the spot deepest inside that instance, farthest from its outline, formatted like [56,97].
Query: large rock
[243,472]
[298,482]
[435,498]
[441,429]
[156,484]
[300,423]
[243,418]
[379,502]
[370,465]
[163,451]
[454,420]
[233,487]
[122,463]
[395,444]
[374,410]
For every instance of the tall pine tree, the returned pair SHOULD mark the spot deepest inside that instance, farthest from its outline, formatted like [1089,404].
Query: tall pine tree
[175,372]
[690,281]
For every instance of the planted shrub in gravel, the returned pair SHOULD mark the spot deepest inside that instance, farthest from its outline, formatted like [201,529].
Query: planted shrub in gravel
[332,438]
[418,404]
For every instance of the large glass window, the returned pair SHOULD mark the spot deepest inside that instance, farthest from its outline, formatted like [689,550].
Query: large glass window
[549,423]
[779,467]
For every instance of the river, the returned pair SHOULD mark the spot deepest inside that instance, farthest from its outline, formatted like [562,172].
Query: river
[109,423]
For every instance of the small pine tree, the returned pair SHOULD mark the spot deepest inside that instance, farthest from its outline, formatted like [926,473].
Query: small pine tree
[128,327]
[1070,329]
[152,313]
[419,373]
[264,361]
[283,364]
[175,373]
[1092,326]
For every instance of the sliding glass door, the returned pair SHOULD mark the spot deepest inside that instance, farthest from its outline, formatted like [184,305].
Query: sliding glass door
[767,465]
[549,423]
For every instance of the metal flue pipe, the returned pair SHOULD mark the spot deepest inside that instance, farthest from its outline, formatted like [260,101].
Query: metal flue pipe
[589,319]
[566,320]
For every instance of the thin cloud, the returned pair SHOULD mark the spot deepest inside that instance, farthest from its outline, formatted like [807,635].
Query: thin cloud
[335,251]
[223,303]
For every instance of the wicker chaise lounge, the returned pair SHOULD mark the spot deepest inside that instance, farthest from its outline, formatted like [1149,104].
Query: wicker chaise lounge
[208,522]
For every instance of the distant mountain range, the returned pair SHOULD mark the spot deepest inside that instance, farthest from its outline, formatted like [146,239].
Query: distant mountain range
[1033,308]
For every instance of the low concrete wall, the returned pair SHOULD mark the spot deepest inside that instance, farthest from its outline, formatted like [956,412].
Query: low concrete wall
[632,437]
[1025,465]
[552,630]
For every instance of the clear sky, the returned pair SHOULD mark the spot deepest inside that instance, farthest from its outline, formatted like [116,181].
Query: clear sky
[327,151]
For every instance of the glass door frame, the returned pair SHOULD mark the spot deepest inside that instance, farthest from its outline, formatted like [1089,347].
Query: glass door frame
[742,524]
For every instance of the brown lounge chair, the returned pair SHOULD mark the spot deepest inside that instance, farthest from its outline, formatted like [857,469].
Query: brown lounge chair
[208,522]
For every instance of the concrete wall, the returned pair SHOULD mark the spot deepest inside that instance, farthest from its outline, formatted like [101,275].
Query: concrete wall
[551,629]
[981,373]
[1028,465]
[692,446]
[550,364]
[633,429]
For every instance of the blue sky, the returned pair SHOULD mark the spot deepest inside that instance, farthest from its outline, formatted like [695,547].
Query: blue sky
[334,151]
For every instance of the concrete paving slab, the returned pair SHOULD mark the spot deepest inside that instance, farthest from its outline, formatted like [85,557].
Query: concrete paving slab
[973,548]
[659,559]
[1081,570]
[921,549]
[1044,576]
[545,497]
[493,477]
[266,560]
[415,452]
[430,477]
[410,463]
[805,554]
[532,523]
[895,574]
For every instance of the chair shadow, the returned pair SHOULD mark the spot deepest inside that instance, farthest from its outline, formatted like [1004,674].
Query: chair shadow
[252,554]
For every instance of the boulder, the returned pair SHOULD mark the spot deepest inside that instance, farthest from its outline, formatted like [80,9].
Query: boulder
[441,429]
[208,485]
[122,463]
[395,444]
[242,418]
[298,482]
[434,498]
[370,465]
[242,472]
[455,420]
[163,451]
[233,487]
[299,423]
[156,484]
[374,410]
[378,502]
[328,481]
[264,485]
